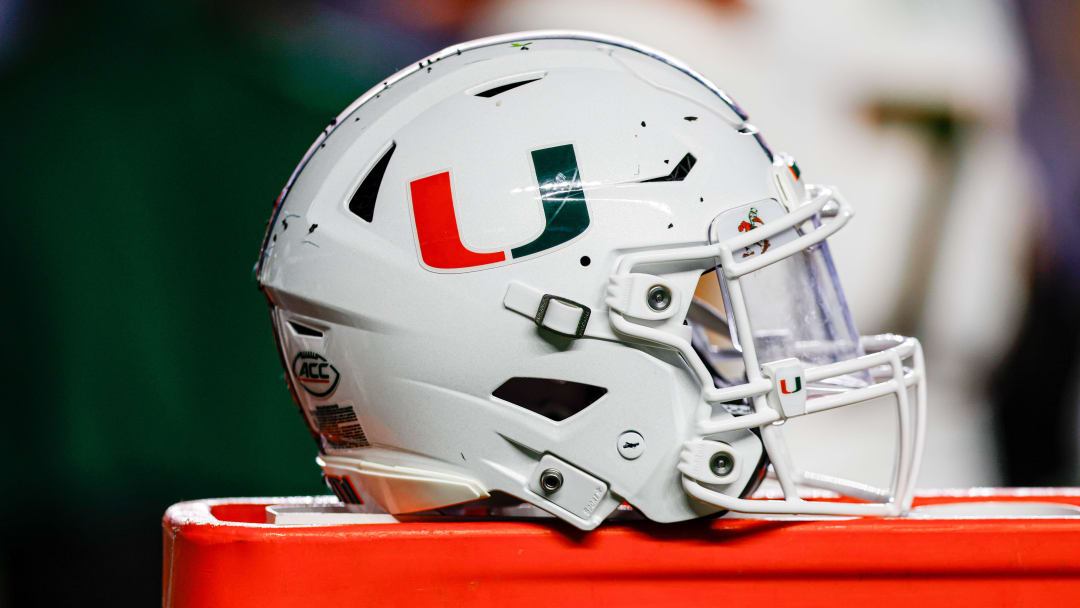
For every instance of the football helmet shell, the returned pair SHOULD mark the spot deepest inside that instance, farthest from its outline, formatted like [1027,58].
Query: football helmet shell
[482,276]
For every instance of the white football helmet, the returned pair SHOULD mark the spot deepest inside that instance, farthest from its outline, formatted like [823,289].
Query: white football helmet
[482,277]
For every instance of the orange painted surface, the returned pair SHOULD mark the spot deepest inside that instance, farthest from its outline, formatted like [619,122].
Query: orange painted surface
[224,560]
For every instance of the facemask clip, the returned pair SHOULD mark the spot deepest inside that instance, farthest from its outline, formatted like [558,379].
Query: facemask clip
[788,396]
[711,462]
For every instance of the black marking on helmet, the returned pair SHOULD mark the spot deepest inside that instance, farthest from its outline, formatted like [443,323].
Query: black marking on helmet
[502,88]
[678,173]
[764,146]
[749,129]
[363,200]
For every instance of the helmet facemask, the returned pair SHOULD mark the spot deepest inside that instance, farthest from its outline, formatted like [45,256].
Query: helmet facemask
[780,343]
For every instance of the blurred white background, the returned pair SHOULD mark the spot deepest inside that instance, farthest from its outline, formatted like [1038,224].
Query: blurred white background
[909,107]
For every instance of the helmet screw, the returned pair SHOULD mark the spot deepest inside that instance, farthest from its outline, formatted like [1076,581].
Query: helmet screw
[659,297]
[631,445]
[550,480]
[722,464]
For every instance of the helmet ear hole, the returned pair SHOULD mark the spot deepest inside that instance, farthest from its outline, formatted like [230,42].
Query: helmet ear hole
[553,399]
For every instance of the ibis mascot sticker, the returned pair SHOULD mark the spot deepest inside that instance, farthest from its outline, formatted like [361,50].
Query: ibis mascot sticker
[753,221]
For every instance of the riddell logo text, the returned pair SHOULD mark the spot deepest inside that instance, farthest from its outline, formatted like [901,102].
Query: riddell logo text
[313,372]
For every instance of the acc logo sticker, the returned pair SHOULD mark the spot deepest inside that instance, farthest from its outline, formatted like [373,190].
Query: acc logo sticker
[315,373]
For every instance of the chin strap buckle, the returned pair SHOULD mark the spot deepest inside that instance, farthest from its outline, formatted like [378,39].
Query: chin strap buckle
[560,315]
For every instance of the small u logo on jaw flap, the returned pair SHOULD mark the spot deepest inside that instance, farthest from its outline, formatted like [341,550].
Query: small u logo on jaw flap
[784,386]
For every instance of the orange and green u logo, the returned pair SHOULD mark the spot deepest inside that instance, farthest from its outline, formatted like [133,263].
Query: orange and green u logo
[565,213]
[787,390]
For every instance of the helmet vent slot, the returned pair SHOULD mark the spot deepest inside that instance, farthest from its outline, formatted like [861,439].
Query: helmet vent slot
[304,330]
[502,88]
[362,203]
[553,399]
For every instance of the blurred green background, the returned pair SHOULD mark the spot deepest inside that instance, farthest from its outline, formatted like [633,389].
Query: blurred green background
[144,145]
